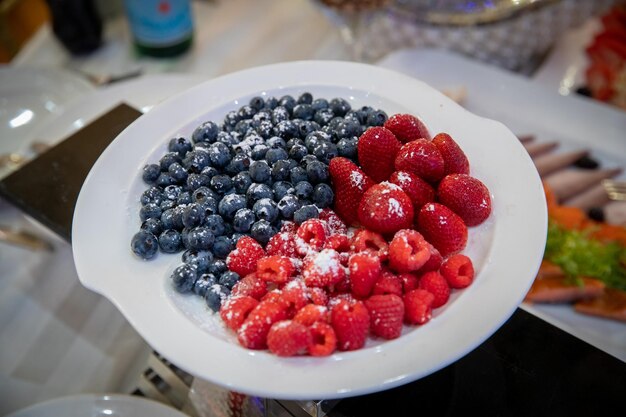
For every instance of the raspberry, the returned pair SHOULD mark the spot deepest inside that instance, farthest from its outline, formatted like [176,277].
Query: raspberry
[250,285]
[409,281]
[436,284]
[252,334]
[244,258]
[324,339]
[365,269]
[408,251]
[277,269]
[350,320]
[418,306]
[288,227]
[313,234]
[454,159]
[334,223]
[466,196]
[407,127]
[288,338]
[318,296]
[366,240]
[283,243]
[422,158]
[386,315]
[323,269]
[443,228]
[312,313]
[349,184]
[387,283]
[419,191]
[434,262]
[385,209]
[236,309]
[296,294]
[340,243]
[458,270]
[377,149]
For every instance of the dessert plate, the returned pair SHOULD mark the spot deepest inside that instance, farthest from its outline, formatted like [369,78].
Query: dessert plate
[506,250]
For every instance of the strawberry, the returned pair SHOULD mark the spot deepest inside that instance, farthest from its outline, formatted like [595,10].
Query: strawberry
[458,270]
[245,256]
[407,127]
[386,315]
[421,158]
[252,334]
[443,228]
[367,241]
[455,161]
[235,310]
[312,313]
[419,191]
[436,284]
[408,251]
[350,321]
[418,306]
[277,269]
[288,338]
[377,149]
[385,209]
[466,196]
[349,185]
[365,269]
[324,339]
[323,269]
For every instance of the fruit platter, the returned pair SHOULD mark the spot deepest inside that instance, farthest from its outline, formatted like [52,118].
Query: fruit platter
[312,229]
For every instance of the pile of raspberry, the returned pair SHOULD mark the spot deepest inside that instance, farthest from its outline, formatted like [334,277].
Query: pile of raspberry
[386,255]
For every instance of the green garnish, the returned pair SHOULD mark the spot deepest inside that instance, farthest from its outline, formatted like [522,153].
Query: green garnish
[579,255]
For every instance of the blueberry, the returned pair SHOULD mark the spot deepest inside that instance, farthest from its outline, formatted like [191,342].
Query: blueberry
[275,154]
[323,116]
[258,152]
[347,129]
[263,115]
[144,244]
[286,129]
[376,118]
[171,192]
[195,181]
[227,138]
[325,151]
[241,182]
[258,191]
[305,213]
[313,139]
[184,277]
[150,211]
[246,111]
[222,247]
[193,215]
[183,198]
[184,237]
[347,147]
[200,238]
[239,163]
[298,174]
[221,184]
[172,218]
[319,104]
[215,296]
[281,170]
[317,172]
[206,132]
[357,116]
[154,226]
[236,236]
[339,106]
[305,98]
[200,259]
[203,283]
[167,204]
[265,209]
[229,279]
[177,172]
[230,204]
[271,103]
[262,231]
[260,171]
[303,190]
[323,195]
[165,179]
[218,267]
[305,127]
[287,102]
[203,194]
[243,127]
[298,152]
[264,128]
[257,103]
[303,111]
[196,160]
[280,114]
[293,141]
[231,119]
[281,189]
[180,145]
[209,172]
[288,206]
[276,142]
[170,241]
[150,173]
[168,159]
[219,154]
[243,220]
[210,206]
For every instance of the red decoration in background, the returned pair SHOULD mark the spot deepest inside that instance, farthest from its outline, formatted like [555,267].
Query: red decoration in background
[164,7]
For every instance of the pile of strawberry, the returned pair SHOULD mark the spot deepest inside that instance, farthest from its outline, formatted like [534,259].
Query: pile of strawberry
[386,256]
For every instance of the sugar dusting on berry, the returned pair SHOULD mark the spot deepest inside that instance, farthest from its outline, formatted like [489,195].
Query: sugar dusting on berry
[357,180]
[395,207]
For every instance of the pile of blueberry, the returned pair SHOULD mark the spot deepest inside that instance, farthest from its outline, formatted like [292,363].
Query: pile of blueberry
[266,163]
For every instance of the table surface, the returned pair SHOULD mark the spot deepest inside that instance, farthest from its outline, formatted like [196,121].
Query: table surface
[49,323]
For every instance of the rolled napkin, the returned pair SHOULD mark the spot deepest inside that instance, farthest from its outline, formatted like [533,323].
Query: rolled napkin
[548,163]
[570,182]
[537,148]
[595,196]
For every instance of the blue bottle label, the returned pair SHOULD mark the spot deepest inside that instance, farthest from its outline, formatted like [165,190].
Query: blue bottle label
[159,22]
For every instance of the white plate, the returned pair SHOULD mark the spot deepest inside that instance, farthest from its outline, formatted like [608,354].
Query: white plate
[530,108]
[92,405]
[506,249]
